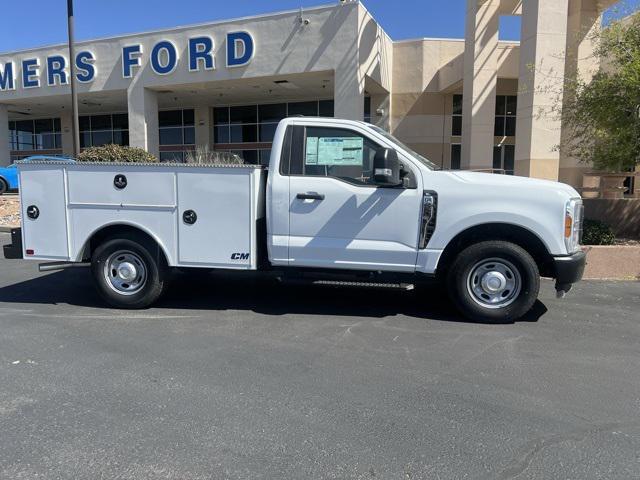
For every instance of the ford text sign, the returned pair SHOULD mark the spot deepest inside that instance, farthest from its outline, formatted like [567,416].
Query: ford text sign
[163,57]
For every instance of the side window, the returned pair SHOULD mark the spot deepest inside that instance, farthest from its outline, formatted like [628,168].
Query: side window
[338,153]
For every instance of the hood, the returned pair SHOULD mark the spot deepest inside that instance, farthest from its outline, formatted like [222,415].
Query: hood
[511,181]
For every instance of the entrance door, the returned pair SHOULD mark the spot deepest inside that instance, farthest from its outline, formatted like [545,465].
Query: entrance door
[338,217]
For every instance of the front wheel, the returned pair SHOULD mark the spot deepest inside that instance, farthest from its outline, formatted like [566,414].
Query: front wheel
[494,282]
[4,187]
[129,272]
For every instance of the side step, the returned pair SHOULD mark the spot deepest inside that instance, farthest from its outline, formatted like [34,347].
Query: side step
[351,284]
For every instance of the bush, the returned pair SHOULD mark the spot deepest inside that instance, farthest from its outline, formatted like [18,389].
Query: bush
[116,153]
[202,155]
[597,233]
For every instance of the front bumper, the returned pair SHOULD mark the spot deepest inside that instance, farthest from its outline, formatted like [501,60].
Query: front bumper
[13,251]
[569,270]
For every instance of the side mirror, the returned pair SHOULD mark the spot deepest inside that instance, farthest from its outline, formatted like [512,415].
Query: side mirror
[386,168]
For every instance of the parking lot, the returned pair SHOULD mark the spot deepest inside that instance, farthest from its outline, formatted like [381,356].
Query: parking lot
[250,380]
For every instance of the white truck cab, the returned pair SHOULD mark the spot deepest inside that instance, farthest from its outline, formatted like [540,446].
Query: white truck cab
[341,201]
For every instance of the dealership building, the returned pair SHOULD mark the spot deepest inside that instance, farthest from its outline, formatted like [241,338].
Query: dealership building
[472,103]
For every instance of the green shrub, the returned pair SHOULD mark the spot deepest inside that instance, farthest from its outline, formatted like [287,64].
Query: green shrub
[597,233]
[116,153]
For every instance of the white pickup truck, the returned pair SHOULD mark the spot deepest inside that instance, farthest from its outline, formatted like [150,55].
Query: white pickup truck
[342,202]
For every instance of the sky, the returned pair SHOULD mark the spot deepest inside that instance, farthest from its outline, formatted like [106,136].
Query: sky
[44,22]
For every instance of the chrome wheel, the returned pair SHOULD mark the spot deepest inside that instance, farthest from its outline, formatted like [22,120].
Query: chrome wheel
[494,283]
[125,272]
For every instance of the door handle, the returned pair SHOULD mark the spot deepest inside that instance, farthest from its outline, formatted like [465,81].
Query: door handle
[310,196]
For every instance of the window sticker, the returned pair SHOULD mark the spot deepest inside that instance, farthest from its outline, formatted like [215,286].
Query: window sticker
[330,151]
[312,151]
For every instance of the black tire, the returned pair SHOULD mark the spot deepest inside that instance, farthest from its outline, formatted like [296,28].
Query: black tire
[4,187]
[463,282]
[146,256]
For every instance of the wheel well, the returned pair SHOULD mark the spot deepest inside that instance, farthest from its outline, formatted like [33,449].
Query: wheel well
[120,230]
[499,231]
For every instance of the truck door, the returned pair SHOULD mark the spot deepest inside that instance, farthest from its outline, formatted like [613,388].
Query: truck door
[338,217]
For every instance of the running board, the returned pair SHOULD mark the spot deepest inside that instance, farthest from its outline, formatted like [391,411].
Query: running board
[53,266]
[351,284]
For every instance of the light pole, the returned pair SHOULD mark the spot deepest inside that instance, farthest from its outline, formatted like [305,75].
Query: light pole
[75,129]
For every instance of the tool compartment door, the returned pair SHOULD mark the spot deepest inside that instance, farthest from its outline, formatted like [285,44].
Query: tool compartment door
[215,220]
[44,212]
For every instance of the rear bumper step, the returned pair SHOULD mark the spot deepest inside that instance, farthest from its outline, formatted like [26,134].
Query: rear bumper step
[13,251]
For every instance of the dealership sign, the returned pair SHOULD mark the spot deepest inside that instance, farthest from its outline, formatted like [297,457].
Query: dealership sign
[164,59]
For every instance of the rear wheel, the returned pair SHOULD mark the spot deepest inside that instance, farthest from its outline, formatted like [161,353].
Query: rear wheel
[130,272]
[4,187]
[494,281]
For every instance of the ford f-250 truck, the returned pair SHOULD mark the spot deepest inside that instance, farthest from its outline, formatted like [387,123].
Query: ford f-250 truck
[342,202]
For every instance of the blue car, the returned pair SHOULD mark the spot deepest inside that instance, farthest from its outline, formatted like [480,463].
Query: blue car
[9,175]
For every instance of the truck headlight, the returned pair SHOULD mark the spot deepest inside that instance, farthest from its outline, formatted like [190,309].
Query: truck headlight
[574,214]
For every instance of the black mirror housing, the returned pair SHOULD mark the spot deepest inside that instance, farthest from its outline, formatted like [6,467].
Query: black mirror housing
[386,168]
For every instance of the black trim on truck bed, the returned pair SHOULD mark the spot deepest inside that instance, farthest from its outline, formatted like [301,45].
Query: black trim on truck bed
[13,251]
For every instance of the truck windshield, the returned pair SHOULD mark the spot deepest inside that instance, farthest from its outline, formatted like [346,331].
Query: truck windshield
[392,139]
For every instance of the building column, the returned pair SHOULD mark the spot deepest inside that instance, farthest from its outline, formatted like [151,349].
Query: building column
[143,119]
[542,48]
[204,126]
[5,148]
[66,124]
[349,93]
[480,83]
[585,20]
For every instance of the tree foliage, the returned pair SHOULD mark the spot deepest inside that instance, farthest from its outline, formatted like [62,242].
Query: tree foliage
[603,115]
[116,153]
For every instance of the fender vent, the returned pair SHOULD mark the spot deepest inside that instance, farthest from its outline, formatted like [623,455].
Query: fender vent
[429,216]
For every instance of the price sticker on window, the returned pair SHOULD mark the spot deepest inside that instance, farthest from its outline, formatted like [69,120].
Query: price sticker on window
[333,151]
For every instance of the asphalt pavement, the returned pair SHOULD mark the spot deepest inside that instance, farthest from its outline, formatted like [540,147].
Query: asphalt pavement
[229,378]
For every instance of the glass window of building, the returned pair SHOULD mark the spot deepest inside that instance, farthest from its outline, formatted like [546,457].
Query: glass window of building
[506,112]
[35,135]
[456,117]
[456,156]
[367,109]
[504,158]
[105,129]
[177,127]
[248,130]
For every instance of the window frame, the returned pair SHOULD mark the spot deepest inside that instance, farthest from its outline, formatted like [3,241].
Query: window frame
[502,115]
[183,127]
[299,143]
[89,130]
[37,139]
[455,115]
[225,127]
[503,154]
[451,157]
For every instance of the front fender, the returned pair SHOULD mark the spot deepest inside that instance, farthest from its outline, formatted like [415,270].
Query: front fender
[545,231]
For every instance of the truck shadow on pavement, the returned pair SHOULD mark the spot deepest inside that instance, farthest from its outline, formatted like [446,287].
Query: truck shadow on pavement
[265,296]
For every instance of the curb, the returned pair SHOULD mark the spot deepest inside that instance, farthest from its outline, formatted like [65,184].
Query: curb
[615,262]
[7,229]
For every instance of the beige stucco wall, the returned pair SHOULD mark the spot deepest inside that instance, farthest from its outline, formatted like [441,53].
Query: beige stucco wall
[426,75]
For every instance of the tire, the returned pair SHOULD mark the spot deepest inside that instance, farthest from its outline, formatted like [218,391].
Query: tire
[4,187]
[130,271]
[494,282]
